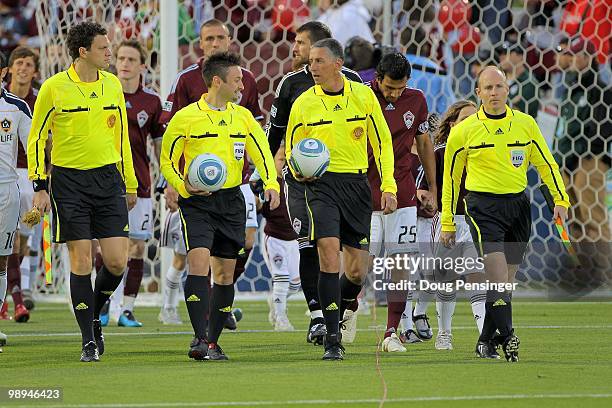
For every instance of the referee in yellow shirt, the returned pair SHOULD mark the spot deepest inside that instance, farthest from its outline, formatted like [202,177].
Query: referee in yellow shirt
[214,223]
[496,146]
[92,174]
[344,115]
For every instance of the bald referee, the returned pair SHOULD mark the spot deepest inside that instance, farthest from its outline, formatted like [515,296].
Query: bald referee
[93,181]
[495,146]
[345,115]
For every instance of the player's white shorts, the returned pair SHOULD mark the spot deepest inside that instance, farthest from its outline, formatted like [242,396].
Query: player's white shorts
[171,235]
[9,216]
[464,253]
[251,207]
[141,219]
[26,191]
[394,233]
[282,257]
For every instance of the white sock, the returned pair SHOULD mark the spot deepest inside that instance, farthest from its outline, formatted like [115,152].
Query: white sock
[445,308]
[25,273]
[315,314]
[34,259]
[406,320]
[424,298]
[280,290]
[171,291]
[128,302]
[3,285]
[478,299]
[293,288]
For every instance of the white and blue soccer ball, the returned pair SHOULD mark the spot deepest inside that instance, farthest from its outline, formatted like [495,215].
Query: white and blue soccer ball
[310,158]
[207,172]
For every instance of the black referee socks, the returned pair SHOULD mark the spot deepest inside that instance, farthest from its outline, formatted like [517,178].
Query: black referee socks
[501,311]
[348,293]
[309,276]
[196,299]
[106,283]
[83,304]
[221,306]
[329,295]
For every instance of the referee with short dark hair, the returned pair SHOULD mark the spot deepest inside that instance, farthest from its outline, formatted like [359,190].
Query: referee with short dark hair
[496,146]
[344,115]
[92,174]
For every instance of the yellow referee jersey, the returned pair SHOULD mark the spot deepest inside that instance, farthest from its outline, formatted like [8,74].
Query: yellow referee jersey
[496,154]
[88,123]
[344,122]
[198,129]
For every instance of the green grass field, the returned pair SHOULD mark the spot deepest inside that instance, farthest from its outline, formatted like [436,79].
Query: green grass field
[566,361]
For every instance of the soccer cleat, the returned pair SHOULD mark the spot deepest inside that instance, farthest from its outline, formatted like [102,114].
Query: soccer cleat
[333,347]
[169,315]
[409,337]
[510,346]
[90,353]
[486,349]
[105,314]
[393,344]
[127,319]
[198,349]
[21,313]
[316,333]
[4,312]
[348,326]
[444,341]
[3,339]
[98,336]
[28,300]
[283,324]
[215,353]
[423,329]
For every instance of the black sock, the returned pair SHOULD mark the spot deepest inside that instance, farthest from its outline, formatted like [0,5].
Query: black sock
[348,293]
[309,275]
[106,283]
[329,293]
[83,304]
[221,306]
[501,311]
[488,325]
[196,299]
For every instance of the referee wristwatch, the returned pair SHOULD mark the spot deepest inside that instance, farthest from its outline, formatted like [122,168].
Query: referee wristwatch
[39,185]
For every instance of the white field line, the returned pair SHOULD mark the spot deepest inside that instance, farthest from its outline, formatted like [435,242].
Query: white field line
[326,401]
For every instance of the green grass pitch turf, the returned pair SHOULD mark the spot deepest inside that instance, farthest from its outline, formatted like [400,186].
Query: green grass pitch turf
[566,361]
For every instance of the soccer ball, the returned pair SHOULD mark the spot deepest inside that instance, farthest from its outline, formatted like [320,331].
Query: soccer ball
[207,172]
[310,158]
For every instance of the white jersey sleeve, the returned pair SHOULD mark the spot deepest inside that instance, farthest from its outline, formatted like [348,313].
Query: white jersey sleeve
[15,122]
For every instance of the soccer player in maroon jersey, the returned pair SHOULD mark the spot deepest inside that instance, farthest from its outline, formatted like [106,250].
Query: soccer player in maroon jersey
[187,88]
[143,110]
[23,68]
[405,111]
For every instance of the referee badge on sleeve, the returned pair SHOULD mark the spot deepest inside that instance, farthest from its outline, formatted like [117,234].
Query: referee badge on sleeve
[238,150]
[111,121]
[517,157]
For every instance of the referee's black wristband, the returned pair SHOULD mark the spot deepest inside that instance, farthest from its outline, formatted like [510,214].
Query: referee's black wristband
[39,185]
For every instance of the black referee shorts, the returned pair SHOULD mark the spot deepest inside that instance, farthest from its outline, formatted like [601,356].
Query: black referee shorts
[297,209]
[216,222]
[340,205]
[499,223]
[88,204]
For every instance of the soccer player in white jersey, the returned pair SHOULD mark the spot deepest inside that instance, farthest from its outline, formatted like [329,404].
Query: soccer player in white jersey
[15,123]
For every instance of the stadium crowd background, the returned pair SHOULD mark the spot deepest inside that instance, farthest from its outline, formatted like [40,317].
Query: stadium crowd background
[539,43]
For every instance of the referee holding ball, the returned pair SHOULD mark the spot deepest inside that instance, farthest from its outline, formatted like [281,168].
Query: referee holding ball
[214,223]
[344,115]
[495,146]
